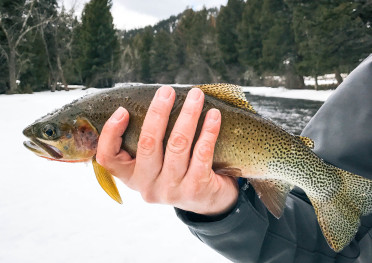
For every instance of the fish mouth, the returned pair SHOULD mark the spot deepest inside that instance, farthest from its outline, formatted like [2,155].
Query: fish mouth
[43,149]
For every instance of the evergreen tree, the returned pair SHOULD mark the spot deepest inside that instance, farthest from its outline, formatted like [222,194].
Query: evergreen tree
[143,43]
[99,44]
[226,26]
[163,57]
[250,35]
[330,35]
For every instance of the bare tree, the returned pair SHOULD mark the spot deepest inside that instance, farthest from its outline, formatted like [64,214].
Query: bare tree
[14,31]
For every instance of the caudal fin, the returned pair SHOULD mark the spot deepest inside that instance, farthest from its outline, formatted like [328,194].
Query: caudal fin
[339,216]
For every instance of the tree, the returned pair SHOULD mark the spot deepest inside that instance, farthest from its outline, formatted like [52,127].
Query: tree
[227,32]
[163,57]
[330,35]
[99,44]
[250,35]
[14,24]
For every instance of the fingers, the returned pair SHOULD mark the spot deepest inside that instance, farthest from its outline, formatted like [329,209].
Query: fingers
[109,154]
[150,145]
[202,158]
[177,154]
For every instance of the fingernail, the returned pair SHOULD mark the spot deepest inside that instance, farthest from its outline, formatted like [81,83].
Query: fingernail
[118,115]
[214,114]
[194,94]
[165,92]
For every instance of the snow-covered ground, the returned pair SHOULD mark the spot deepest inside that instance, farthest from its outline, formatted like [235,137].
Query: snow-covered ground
[57,212]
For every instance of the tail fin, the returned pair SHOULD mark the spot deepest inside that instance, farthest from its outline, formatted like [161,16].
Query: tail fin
[339,216]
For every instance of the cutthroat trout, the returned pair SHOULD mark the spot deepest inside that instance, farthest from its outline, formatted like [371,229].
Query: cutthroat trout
[248,146]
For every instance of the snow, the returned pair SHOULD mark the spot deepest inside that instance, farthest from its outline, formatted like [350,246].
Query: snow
[57,212]
[305,94]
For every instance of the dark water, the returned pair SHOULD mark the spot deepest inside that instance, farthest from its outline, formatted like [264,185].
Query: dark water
[291,114]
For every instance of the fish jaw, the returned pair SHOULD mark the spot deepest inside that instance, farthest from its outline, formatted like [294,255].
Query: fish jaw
[43,150]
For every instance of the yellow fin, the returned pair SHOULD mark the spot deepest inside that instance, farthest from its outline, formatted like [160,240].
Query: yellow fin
[106,180]
[307,141]
[230,93]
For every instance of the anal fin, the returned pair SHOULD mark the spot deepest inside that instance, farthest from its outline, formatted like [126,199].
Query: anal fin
[272,193]
[106,181]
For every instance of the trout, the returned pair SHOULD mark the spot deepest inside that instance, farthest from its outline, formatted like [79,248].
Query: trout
[249,146]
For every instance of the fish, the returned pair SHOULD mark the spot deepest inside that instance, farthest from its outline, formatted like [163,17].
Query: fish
[249,146]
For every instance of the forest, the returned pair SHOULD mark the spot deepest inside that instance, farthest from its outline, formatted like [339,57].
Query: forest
[43,46]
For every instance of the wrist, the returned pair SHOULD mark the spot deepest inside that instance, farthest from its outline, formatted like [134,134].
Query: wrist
[223,203]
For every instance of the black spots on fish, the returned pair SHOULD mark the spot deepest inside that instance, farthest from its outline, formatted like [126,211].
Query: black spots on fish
[68,136]
[65,148]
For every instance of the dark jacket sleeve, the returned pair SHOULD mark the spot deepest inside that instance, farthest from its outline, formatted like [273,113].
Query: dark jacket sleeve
[342,132]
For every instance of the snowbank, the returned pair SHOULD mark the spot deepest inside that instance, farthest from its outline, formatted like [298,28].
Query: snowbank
[305,94]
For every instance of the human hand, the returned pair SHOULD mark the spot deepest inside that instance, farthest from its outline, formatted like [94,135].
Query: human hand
[173,177]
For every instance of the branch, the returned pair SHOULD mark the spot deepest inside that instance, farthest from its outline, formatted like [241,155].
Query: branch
[29,29]
[4,30]
[28,15]
[3,53]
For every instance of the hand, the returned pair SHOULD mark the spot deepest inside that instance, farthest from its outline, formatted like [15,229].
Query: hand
[172,177]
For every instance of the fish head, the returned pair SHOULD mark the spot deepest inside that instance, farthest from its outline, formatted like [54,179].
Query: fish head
[62,137]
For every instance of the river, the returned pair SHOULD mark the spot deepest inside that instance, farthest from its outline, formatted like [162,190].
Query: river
[290,114]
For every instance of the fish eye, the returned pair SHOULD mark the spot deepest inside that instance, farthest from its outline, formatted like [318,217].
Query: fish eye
[49,131]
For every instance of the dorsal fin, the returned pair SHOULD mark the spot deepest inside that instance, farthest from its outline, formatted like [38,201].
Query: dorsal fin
[230,93]
[307,141]
[272,193]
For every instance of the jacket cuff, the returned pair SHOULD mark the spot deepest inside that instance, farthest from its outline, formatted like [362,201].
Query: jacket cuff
[242,212]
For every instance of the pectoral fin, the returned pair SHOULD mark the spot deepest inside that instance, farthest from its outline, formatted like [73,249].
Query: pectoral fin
[272,193]
[106,180]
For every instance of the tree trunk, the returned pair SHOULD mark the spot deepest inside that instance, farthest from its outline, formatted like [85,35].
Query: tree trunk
[52,74]
[316,82]
[294,81]
[12,71]
[61,72]
[338,77]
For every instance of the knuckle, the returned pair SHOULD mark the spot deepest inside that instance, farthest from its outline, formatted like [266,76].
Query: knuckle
[178,143]
[212,130]
[204,151]
[156,110]
[190,111]
[146,144]
[148,197]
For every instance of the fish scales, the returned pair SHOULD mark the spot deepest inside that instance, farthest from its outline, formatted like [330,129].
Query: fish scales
[248,146]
